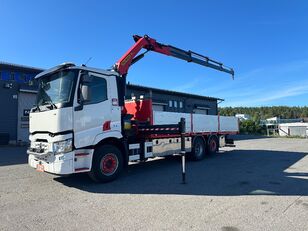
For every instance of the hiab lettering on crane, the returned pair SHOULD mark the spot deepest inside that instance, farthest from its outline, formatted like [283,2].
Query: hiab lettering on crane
[128,57]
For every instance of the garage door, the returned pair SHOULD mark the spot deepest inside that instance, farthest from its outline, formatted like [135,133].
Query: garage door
[26,100]
[201,111]
[157,107]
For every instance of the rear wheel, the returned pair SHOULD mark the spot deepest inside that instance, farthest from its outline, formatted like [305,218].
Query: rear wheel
[107,163]
[213,145]
[198,149]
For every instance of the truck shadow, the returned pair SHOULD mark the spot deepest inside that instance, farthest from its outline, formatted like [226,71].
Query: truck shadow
[232,173]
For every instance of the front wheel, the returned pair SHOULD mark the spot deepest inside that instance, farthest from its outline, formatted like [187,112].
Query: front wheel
[107,163]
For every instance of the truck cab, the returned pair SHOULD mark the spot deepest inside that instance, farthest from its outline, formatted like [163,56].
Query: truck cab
[76,108]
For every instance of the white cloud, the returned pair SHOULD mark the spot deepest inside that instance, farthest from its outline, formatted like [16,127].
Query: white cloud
[268,85]
[287,92]
[261,86]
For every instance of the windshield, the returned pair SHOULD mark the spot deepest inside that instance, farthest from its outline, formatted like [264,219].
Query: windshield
[56,88]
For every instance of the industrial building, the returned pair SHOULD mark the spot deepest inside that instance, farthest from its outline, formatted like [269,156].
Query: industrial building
[18,93]
[173,101]
[293,129]
[285,127]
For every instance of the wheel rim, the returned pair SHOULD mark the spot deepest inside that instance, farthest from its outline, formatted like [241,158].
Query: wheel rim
[213,145]
[109,164]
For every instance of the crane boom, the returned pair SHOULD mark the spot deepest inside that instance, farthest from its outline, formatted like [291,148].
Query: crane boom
[150,44]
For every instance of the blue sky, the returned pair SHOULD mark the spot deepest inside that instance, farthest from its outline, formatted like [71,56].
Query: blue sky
[265,42]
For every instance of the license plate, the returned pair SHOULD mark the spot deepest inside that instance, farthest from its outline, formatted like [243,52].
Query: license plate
[40,168]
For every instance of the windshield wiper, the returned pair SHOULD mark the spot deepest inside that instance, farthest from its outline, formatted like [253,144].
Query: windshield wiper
[50,103]
[35,108]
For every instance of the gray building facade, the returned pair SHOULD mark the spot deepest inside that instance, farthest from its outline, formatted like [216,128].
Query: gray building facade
[17,92]
[166,100]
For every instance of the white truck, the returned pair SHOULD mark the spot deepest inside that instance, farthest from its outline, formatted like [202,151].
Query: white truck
[82,123]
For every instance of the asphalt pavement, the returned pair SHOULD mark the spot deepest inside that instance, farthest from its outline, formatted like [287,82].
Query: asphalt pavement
[261,184]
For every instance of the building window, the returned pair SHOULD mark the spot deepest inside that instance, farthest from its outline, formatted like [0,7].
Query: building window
[175,103]
[29,77]
[181,104]
[22,77]
[12,76]
[170,103]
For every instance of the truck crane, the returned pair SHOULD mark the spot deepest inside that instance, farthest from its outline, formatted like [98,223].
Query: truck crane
[150,44]
[82,123]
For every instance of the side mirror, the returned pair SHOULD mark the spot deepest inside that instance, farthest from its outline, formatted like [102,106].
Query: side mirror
[85,78]
[86,93]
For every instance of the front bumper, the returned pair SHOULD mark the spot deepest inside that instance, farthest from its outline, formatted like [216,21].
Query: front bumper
[62,164]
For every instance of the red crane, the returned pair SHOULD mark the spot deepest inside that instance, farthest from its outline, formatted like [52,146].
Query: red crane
[150,44]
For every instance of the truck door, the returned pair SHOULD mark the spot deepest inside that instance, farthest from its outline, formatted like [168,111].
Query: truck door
[89,119]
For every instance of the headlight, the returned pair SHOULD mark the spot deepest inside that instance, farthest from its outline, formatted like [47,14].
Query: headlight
[62,146]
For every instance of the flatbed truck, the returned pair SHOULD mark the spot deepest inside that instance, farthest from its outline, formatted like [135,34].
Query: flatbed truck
[82,123]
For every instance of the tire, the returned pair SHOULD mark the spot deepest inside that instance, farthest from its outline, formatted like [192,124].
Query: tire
[107,164]
[198,149]
[213,145]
